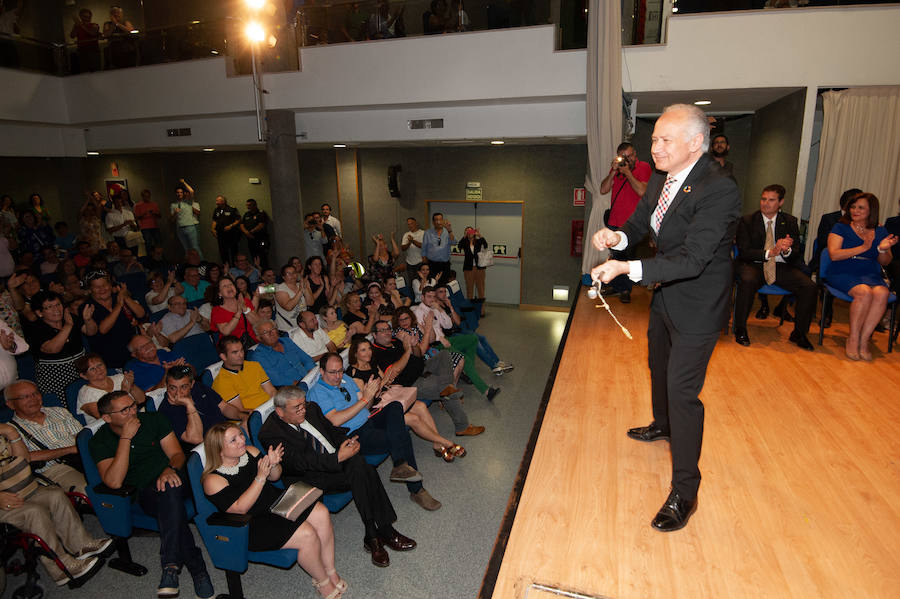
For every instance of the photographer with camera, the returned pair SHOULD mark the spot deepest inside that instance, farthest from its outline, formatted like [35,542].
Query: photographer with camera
[627,179]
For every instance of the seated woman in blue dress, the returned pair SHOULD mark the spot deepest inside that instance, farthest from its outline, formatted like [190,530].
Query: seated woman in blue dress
[858,249]
[237,481]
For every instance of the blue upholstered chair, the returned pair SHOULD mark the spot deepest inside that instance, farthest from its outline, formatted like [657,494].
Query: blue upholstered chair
[226,536]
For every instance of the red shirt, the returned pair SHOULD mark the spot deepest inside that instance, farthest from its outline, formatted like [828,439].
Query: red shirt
[623,198]
[221,316]
[147,214]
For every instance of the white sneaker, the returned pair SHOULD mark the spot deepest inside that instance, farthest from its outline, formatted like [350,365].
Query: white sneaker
[506,366]
[93,548]
[498,369]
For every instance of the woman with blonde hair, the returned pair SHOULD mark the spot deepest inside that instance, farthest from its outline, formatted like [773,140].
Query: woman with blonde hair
[238,479]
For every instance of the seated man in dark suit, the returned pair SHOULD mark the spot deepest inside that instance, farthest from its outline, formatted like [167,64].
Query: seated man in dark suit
[321,454]
[766,255]
[826,224]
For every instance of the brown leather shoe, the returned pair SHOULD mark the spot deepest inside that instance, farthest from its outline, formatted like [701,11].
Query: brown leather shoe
[449,390]
[396,541]
[425,500]
[471,431]
[380,555]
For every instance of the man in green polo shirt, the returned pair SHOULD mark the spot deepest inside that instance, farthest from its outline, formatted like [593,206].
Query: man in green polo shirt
[141,450]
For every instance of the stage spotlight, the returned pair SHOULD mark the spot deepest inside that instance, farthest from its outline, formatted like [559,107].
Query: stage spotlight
[255,4]
[255,32]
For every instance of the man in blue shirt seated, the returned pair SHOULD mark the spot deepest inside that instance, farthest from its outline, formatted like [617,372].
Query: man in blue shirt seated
[283,361]
[343,404]
[190,406]
[436,245]
[149,364]
[243,268]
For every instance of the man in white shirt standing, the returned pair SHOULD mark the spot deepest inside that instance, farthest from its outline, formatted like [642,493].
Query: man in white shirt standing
[329,219]
[185,213]
[120,222]
[412,245]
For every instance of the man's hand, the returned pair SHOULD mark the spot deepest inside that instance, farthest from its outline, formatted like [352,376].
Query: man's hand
[782,245]
[11,501]
[168,477]
[130,428]
[16,280]
[606,238]
[609,270]
[371,389]
[178,362]
[87,313]
[7,341]
[127,381]
[348,449]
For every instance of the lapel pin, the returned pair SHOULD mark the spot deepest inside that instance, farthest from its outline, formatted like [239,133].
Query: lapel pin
[686,189]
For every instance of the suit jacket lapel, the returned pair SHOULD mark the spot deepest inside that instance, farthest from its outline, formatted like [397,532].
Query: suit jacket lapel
[696,174]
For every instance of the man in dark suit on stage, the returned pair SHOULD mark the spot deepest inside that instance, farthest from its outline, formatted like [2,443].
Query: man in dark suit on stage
[766,255]
[319,453]
[691,214]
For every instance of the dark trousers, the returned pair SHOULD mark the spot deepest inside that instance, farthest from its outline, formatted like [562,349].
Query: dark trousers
[678,364]
[176,543]
[790,278]
[361,479]
[385,432]
[152,239]
[228,247]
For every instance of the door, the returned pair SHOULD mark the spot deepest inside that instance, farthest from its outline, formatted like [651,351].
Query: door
[500,223]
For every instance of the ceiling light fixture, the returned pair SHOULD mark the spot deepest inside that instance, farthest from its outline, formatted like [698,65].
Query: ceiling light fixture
[92,153]
[497,142]
[703,102]
[339,146]
[209,149]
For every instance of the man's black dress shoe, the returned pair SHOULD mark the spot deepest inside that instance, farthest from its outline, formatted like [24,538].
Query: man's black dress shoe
[779,309]
[674,513]
[801,341]
[648,433]
[763,312]
[828,322]
[380,555]
[742,338]
[625,297]
[396,541]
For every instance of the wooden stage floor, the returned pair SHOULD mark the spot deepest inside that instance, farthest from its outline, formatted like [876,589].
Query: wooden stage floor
[801,473]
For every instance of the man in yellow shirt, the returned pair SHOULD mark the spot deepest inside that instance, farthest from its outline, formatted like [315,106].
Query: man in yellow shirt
[243,384]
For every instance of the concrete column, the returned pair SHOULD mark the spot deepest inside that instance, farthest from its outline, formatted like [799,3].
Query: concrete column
[284,186]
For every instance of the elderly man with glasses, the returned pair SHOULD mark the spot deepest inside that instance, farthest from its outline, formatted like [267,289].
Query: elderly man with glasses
[283,361]
[142,451]
[149,364]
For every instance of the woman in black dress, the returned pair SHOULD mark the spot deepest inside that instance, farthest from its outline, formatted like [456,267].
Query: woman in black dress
[237,479]
[55,339]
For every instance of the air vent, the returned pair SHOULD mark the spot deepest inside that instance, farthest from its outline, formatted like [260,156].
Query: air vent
[426,124]
[184,132]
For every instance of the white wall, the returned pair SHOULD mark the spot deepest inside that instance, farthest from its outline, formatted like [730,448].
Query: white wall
[818,47]
[502,83]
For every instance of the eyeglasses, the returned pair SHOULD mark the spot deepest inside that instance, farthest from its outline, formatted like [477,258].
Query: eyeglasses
[338,371]
[128,408]
[382,329]
[25,396]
